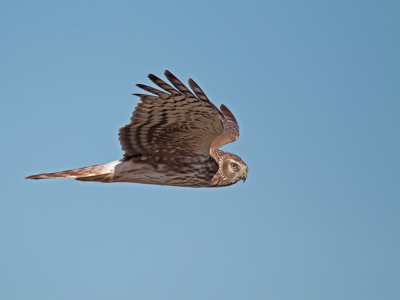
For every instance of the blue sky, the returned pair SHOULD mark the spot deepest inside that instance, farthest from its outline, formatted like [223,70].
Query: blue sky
[315,86]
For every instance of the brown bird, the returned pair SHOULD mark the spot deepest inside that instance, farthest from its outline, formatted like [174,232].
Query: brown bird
[173,139]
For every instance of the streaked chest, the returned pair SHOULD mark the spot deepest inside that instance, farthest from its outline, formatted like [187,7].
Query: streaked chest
[190,172]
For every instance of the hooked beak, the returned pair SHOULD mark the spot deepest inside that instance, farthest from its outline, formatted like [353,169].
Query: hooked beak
[244,177]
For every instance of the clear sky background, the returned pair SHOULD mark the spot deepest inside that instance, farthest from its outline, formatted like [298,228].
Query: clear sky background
[315,86]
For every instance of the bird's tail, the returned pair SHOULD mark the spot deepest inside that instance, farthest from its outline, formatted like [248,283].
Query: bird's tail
[102,173]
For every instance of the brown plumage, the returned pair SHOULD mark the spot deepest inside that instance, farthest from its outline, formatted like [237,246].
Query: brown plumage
[173,139]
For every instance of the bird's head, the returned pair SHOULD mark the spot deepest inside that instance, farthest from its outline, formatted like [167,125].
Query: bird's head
[233,168]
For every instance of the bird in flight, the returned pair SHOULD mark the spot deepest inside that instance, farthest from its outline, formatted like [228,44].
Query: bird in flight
[173,139]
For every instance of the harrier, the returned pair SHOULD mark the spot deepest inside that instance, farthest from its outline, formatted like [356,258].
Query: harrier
[173,139]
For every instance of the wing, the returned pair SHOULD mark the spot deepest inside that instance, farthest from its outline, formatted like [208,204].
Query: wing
[231,129]
[172,122]
[231,126]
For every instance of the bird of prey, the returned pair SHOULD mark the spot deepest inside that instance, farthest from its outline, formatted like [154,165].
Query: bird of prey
[173,139]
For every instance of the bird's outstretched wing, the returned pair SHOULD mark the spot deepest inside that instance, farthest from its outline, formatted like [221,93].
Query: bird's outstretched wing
[175,122]
[231,126]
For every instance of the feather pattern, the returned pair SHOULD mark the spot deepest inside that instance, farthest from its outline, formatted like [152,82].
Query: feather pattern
[180,123]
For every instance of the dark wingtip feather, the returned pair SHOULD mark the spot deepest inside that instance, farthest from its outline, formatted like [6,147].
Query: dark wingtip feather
[152,90]
[202,96]
[152,77]
[162,84]
[178,84]
[227,113]
[198,91]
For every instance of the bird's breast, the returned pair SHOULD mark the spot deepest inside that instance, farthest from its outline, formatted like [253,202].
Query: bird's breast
[176,172]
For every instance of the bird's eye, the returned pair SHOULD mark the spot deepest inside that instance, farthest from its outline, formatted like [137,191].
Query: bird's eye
[234,166]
